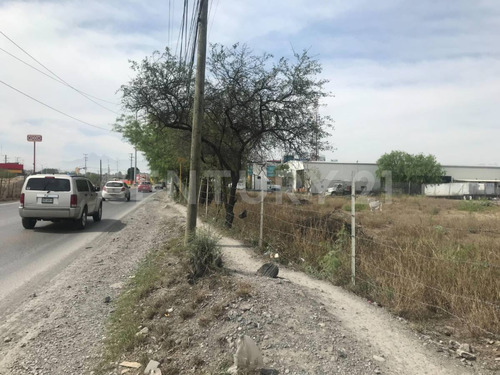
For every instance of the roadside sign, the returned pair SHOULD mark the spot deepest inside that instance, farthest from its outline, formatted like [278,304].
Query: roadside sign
[34,138]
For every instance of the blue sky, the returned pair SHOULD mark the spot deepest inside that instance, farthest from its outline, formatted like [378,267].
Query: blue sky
[417,76]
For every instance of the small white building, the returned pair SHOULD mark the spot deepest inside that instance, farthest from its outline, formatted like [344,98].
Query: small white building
[317,176]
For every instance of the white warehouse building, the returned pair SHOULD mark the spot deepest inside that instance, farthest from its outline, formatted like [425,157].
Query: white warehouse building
[317,176]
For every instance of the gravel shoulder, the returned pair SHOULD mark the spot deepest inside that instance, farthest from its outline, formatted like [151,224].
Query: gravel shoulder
[302,325]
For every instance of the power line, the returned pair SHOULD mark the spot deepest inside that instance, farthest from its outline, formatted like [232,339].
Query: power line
[54,109]
[51,77]
[59,79]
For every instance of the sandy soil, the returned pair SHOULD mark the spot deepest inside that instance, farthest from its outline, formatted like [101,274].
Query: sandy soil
[302,325]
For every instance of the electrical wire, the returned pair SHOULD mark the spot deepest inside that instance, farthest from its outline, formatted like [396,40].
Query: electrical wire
[54,109]
[59,79]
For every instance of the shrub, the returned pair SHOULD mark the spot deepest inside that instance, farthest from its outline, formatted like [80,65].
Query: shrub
[474,206]
[336,259]
[204,254]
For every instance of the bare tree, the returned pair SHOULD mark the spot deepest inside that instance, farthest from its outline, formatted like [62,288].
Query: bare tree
[253,105]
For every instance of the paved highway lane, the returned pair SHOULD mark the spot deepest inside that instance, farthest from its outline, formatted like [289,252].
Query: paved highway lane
[32,256]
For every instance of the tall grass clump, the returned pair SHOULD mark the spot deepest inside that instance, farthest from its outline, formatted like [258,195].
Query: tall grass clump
[204,254]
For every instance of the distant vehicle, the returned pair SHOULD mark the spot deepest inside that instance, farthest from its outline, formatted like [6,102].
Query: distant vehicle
[338,188]
[58,197]
[274,187]
[145,186]
[116,190]
[158,186]
[465,190]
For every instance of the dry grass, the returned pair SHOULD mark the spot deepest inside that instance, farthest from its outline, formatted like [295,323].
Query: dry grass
[423,258]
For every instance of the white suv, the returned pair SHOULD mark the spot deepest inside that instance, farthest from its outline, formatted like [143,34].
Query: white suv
[59,197]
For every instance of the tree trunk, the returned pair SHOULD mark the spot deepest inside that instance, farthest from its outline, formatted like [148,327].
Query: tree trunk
[229,204]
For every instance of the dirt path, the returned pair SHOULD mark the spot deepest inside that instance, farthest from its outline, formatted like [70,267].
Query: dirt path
[404,351]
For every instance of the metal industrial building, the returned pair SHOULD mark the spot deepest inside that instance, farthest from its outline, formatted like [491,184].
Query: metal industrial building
[317,176]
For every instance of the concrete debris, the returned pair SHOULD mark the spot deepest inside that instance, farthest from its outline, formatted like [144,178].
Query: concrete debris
[248,356]
[130,364]
[151,367]
[378,358]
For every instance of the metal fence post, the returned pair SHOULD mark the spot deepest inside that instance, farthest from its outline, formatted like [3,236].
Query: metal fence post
[261,234]
[353,231]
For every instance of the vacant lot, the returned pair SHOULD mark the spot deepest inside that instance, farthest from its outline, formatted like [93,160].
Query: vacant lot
[430,260]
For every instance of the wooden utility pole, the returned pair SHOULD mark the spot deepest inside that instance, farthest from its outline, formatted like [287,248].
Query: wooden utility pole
[195,162]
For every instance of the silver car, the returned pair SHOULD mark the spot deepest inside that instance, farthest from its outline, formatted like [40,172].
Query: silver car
[115,190]
[59,197]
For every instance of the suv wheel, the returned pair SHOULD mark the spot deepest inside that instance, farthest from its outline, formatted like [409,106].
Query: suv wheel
[128,198]
[81,223]
[28,223]
[98,215]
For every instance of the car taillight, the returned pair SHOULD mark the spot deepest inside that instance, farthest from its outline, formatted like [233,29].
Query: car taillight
[123,188]
[21,200]
[104,188]
[73,200]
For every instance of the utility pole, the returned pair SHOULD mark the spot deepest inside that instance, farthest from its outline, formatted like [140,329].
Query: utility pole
[85,158]
[131,162]
[194,167]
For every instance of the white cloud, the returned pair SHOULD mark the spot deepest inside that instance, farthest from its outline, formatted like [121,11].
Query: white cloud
[417,76]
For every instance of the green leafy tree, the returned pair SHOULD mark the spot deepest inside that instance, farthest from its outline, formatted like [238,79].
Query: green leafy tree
[165,149]
[420,169]
[253,105]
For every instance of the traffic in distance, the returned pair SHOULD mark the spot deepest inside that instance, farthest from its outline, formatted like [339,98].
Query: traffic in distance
[60,197]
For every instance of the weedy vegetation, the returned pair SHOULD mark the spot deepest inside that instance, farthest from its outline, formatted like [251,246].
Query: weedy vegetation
[425,259]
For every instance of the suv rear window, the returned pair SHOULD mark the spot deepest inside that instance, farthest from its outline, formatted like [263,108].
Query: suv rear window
[48,184]
[114,184]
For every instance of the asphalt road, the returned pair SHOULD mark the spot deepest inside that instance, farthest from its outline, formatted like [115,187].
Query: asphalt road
[31,257]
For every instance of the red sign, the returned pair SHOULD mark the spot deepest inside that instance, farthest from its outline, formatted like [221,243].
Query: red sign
[34,138]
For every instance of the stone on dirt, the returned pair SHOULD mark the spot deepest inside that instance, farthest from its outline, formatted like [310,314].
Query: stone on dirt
[130,364]
[466,348]
[248,356]
[143,332]
[268,371]
[269,270]
[151,367]
[466,355]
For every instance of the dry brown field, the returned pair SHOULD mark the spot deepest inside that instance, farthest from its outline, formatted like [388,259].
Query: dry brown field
[427,260]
